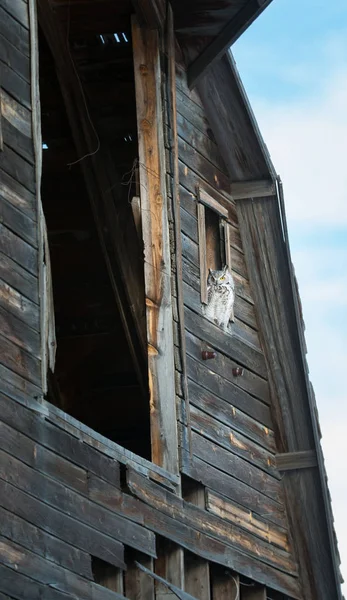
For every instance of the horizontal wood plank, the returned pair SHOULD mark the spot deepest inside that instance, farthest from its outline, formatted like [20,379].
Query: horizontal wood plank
[14,59]
[40,542]
[17,195]
[13,31]
[46,572]
[25,310]
[58,441]
[227,460]
[197,518]
[230,393]
[214,339]
[236,490]
[69,502]
[18,168]
[17,249]
[15,85]
[236,514]
[19,333]
[17,222]
[63,527]
[19,361]
[17,9]
[220,410]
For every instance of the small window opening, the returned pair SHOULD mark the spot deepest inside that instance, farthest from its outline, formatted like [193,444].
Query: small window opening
[215,254]
[214,238]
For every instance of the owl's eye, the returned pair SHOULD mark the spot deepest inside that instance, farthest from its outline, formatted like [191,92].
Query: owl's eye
[222,278]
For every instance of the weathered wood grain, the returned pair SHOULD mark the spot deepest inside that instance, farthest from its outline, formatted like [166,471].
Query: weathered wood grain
[231,125]
[196,570]
[24,588]
[223,411]
[229,461]
[22,308]
[46,572]
[18,388]
[189,179]
[212,338]
[17,222]
[288,461]
[156,248]
[14,59]
[18,168]
[38,541]
[137,584]
[13,31]
[19,361]
[236,514]
[19,333]
[213,550]
[17,249]
[14,139]
[15,85]
[225,585]
[196,518]
[41,459]
[68,502]
[235,396]
[236,490]
[17,195]
[55,440]
[61,526]
[17,9]
[202,253]
[104,450]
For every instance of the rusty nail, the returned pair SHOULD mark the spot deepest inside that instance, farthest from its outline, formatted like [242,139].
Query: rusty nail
[237,371]
[206,355]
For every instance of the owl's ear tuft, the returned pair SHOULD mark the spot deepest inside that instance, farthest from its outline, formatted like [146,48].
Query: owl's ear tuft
[225,269]
[210,271]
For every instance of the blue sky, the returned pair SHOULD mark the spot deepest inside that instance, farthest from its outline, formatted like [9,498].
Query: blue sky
[293,62]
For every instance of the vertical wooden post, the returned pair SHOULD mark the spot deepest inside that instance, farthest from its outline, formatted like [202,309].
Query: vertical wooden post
[137,583]
[169,565]
[196,569]
[155,233]
[202,253]
[225,585]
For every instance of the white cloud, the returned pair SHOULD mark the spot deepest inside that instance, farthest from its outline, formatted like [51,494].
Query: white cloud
[308,143]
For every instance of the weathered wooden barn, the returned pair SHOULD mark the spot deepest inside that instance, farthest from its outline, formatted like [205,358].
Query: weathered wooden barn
[145,452]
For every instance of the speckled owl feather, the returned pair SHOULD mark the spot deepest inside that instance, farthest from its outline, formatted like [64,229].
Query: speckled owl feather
[220,297]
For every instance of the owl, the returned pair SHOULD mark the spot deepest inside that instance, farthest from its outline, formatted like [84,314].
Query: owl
[220,297]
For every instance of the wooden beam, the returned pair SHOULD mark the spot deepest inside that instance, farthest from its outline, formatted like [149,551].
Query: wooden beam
[252,189]
[155,231]
[225,585]
[179,593]
[202,253]
[296,460]
[206,199]
[196,569]
[231,32]
[93,166]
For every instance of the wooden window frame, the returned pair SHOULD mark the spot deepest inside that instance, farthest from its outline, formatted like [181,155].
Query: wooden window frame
[205,200]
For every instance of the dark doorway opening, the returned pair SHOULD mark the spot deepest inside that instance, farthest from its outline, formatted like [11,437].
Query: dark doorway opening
[99,378]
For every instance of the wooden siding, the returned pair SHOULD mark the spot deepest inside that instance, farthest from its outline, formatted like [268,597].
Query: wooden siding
[227,433]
